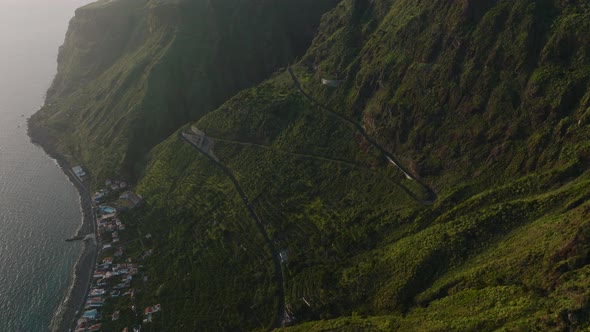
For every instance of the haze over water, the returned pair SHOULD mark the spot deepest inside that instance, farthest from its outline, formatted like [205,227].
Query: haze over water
[39,207]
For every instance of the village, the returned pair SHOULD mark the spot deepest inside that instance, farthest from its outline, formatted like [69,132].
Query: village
[118,276]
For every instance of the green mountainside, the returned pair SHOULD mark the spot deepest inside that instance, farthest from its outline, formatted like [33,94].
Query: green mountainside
[132,71]
[484,104]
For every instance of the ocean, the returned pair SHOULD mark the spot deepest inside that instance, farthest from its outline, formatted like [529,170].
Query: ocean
[39,207]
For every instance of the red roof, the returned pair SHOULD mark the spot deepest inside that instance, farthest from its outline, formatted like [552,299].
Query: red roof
[94,327]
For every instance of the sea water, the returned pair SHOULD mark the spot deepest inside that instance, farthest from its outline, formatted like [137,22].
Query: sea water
[39,207]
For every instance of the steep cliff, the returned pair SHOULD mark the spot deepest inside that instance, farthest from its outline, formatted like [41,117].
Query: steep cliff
[131,72]
[484,102]
[440,183]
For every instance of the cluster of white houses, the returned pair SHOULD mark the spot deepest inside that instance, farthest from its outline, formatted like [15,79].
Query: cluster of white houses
[115,272]
[110,280]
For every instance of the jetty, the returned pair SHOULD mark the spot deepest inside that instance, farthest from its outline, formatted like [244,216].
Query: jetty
[82,237]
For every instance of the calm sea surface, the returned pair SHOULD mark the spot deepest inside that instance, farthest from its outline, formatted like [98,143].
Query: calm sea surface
[39,207]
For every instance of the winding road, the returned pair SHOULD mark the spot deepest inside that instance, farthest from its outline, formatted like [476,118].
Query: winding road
[281,308]
[390,157]
[321,158]
[281,312]
[295,154]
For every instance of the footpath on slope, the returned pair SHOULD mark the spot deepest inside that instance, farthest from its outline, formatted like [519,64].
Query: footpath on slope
[390,157]
[301,155]
[321,158]
[281,308]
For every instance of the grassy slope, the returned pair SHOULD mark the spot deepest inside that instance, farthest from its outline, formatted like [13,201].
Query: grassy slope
[280,175]
[489,99]
[500,93]
[487,103]
[131,72]
[498,118]
[207,251]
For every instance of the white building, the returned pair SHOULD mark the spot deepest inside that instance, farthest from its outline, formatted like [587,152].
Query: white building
[78,171]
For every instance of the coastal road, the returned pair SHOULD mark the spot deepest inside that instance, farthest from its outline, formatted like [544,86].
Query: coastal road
[84,191]
[390,157]
[281,312]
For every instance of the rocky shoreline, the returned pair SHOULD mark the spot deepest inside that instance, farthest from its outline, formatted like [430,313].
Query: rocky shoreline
[75,300]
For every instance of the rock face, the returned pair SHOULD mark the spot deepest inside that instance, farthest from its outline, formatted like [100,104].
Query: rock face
[131,72]
[485,102]
[98,36]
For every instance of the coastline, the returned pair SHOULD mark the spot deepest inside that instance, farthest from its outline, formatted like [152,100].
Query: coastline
[74,300]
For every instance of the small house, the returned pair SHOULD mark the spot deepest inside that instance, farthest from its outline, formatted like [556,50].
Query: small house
[90,314]
[331,83]
[79,171]
[130,200]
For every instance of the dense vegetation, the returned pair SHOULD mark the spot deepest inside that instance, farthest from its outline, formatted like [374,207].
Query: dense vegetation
[131,72]
[487,102]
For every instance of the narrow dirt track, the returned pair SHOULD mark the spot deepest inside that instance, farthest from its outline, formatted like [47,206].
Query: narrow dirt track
[431,194]
[281,307]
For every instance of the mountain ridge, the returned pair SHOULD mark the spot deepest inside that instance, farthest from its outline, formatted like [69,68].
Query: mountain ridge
[134,71]
[485,102]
